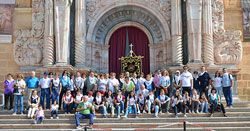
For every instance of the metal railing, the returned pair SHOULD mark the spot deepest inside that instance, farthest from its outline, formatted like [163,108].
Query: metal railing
[2,104]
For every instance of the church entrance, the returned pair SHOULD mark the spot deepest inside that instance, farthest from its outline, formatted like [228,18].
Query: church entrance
[119,46]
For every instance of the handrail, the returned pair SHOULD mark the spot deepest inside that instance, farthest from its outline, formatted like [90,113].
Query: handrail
[1,105]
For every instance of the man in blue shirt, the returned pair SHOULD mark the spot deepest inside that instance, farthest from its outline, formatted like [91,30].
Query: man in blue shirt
[227,83]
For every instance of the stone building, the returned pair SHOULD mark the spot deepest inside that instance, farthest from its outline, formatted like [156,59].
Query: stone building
[77,34]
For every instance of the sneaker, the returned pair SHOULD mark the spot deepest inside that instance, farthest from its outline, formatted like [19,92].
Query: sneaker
[176,116]
[51,117]
[89,127]
[14,113]
[78,127]
[156,116]
[125,116]
[136,117]
[225,115]
[230,106]
[118,116]
[149,112]
[211,115]
[57,117]
[144,112]
[185,116]
[22,114]
[94,117]
[122,112]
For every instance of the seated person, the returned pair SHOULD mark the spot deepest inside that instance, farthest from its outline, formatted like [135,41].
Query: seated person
[84,112]
[204,103]
[68,102]
[131,104]
[177,103]
[195,101]
[33,103]
[39,115]
[215,103]
[78,98]
[150,101]
[164,101]
[99,102]
[119,103]
[186,101]
[141,104]
[54,110]
[109,103]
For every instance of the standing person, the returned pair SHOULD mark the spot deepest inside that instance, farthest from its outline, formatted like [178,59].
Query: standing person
[205,80]
[121,80]
[135,80]
[143,91]
[215,103]
[102,84]
[32,83]
[73,88]
[33,102]
[196,82]
[227,84]
[113,83]
[84,111]
[149,84]
[20,86]
[79,82]
[176,82]
[45,90]
[65,81]
[165,82]
[217,82]
[141,79]
[186,81]
[156,81]
[8,85]
[90,83]
[56,88]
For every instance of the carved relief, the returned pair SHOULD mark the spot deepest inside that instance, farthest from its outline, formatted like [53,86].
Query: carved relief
[246,19]
[28,43]
[227,44]
[6,19]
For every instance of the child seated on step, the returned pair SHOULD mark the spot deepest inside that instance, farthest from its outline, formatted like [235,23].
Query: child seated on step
[39,115]
[54,110]
[204,103]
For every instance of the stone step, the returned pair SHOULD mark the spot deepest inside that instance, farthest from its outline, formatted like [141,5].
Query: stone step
[131,120]
[141,129]
[70,116]
[148,126]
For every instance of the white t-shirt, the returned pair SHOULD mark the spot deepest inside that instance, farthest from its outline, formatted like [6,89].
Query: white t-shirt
[44,83]
[186,78]
[131,101]
[217,82]
[78,97]
[112,83]
[56,82]
[20,84]
[54,107]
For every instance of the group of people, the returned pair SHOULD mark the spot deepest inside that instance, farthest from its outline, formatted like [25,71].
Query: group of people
[130,93]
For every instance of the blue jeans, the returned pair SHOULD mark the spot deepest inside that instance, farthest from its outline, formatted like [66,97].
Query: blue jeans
[156,110]
[131,109]
[79,116]
[18,98]
[54,112]
[39,120]
[45,92]
[120,108]
[228,95]
[55,96]
[67,107]
[204,107]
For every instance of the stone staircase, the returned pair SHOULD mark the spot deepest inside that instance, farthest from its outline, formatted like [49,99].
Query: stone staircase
[238,119]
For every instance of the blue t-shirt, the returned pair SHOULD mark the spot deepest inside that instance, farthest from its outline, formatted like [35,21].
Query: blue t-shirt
[32,82]
[65,80]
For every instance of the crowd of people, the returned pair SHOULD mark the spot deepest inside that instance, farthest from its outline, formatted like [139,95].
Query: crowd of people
[130,93]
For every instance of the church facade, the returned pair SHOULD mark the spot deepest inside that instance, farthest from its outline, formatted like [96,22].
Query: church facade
[86,35]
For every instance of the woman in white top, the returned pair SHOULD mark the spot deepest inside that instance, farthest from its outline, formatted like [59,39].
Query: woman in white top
[33,102]
[20,86]
[195,102]
[165,81]
[78,98]
[217,82]
[102,84]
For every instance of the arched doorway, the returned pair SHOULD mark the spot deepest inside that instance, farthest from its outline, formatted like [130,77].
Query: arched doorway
[117,47]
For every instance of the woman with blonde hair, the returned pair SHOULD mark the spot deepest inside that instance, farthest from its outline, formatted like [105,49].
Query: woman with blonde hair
[19,87]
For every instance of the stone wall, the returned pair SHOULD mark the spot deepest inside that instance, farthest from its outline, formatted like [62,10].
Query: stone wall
[233,20]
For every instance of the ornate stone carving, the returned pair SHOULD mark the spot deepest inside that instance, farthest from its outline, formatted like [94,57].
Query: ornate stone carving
[163,6]
[28,43]
[6,19]
[227,43]
[246,19]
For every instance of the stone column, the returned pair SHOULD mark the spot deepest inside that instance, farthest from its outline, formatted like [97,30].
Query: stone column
[48,48]
[194,21]
[176,28]
[207,33]
[80,32]
[62,29]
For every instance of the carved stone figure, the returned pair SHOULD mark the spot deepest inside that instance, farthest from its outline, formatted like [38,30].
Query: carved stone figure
[5,19]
